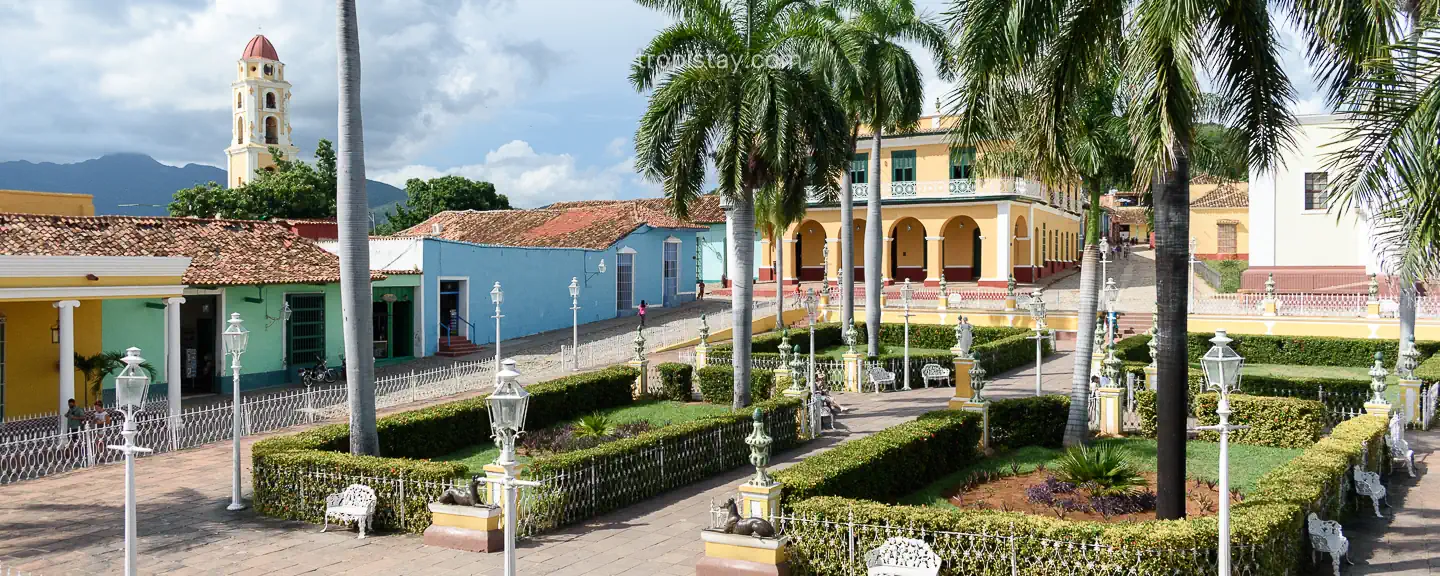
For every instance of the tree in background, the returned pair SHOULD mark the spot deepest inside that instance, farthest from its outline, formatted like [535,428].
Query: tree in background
[293,189]
[96,367]
[426,198]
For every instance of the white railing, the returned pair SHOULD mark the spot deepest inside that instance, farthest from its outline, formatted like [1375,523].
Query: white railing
[1210,275]
[1253,304]
[962,186]
[905,189]
[1429,400]
[40,454]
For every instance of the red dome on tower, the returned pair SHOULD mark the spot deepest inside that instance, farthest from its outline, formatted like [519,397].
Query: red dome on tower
[260,47]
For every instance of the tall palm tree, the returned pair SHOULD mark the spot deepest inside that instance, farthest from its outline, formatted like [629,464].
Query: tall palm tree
[354,221]
[727,87]
[886,89]
[775,210]
[1070,43]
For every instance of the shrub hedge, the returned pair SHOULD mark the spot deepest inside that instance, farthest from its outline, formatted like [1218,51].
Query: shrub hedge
[585,483]
[1306,350]
[286,465]
[1134,349]
[1033,421]
[717,384]
[828,334]
[1271,517]
[890,463]
[1278,422]
[1429,370]
[675,381]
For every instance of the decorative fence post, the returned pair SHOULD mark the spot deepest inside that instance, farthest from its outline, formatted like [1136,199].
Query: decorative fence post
[799,387]
[1109,393]
[702,350]
[1097,354]
[640,363]
[728,552]
[782,372]
[1372,304]
[943,302]
[1152,369]
[1409,384]
[1010,295]
[851,359]
[1378,405]
[1269,305]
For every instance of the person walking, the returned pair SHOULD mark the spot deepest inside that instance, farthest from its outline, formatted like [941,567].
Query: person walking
[642,313]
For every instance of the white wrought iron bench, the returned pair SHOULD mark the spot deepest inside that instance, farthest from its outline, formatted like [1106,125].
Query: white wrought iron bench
[1326,537]
[1368,484]
[880,378]
[354,504]
[1399,448]
[902,557]
[934,373]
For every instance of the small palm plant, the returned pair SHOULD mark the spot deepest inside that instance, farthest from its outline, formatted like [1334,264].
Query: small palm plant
[97,367]
[595,426]
[1103,469]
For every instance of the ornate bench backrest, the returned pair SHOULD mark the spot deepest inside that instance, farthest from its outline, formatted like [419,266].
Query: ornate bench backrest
[1367,483]
[934,370]
[903,553]
[1325,535]
[1398,445]
[357,495]
[878,373]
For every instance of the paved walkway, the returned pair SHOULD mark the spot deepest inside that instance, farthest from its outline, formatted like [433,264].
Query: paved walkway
[1407,541]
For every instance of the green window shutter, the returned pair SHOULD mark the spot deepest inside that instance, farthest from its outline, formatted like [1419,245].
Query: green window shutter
[305,331]
[962,163]
[902,166]
[858,168]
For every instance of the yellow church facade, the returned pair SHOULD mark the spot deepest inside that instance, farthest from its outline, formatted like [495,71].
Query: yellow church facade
[939,220]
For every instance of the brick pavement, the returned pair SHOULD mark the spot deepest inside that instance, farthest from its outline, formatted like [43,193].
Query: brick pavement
[1407,541]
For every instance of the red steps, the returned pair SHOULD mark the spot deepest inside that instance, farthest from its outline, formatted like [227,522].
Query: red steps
[455,347]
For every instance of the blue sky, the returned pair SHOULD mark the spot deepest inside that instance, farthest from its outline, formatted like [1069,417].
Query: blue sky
[529,94]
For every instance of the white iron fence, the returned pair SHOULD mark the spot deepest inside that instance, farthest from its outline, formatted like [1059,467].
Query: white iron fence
[27,456]
[1305,304]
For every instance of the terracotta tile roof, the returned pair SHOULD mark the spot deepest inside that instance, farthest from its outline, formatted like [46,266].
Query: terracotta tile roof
[222,252]
[591,224]
[1128,214]
[706,210]
[1227,195]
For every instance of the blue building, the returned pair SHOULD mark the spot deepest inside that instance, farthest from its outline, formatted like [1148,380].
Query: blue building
[648,256]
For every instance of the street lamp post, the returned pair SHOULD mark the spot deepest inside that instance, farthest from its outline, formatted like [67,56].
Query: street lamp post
[575,323]
[507,407]
[1042,332]
[1191,278]
[1104,257]
[236,336]
[812,312]
[906,292]
[130,388]
[1222,374]
[1112,293]
[496,297]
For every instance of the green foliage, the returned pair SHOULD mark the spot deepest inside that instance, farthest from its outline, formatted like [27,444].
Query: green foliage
[676,381]
[426,198]
[1429,370]
[1103,469]
[1279,422]
[1219,151]
[293,189]
[1230,272]
[1145,409]
[717,384]
[1004,354]
[931,336]
[594,426]
[642,467]
[96,367]
[1134,349]
[1029,421]
[280,463]
[890,463]
[1306,350]
[1312,480]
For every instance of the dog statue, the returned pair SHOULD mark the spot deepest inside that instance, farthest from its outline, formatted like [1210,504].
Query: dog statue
[757,527]
[459,498]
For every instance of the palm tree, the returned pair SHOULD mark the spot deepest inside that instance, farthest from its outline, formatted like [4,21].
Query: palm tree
[775,210]
[96,367]
[727,87]
[354,221]
[884,88]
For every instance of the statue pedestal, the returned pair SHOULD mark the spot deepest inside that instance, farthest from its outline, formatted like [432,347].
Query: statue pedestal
[1381,409]
[782,378]
[760,501]
[1152,378]
[853,377]
[1110,423]
[963,390]
[1268,307]
[641,381]
[702,355]
[1010,304]
[736,555]
[1372,309]
[983,409]
[1410,399]
[468,528]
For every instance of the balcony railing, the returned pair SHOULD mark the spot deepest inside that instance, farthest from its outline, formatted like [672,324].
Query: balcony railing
[903,189]
[956,187]
[962,186]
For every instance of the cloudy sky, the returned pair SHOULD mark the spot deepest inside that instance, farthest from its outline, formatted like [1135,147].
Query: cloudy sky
[528,94]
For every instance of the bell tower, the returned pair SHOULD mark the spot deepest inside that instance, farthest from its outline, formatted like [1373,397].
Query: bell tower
[260,98]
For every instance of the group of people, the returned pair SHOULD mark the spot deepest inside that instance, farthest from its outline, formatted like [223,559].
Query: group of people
[76,417]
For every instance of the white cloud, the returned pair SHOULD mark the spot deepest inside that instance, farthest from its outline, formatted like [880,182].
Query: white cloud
[618,147]
[531,179]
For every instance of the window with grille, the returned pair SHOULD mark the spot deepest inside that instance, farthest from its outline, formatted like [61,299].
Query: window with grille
[902,166]
[305,331]
[1226,235]
[624,281]
[1315,184]
[962,163]
[858,168]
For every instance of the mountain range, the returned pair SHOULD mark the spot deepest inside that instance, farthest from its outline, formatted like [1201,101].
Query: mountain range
[129,178]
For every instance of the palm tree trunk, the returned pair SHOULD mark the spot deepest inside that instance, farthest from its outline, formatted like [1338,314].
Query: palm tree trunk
[873,245]
[353,218]
[779,243]
[742,292]
[1171,201]
[847,243]
[1077,426]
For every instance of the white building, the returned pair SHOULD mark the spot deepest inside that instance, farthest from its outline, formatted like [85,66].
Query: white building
[1292,234]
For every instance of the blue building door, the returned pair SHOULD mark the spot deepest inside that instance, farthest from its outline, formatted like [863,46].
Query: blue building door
[671,271]
[624,281]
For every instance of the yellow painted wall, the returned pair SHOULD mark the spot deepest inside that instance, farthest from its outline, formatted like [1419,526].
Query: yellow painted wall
[1204,226]
[812,246]
[57,203]
[32,362]
[931,218]
[910,243]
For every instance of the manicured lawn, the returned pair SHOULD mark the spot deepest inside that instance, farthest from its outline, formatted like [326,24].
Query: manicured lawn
[656,412]
[836,352]
[1247,464]
[1392,384]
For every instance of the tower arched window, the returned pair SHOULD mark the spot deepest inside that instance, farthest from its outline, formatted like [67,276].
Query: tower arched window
[239,130]
[272,132]
[239,100]
[270,100]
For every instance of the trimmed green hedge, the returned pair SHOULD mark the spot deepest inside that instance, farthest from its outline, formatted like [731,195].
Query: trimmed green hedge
[1034,421]
[675,381]
[1271,517]
[311,463]
[890,463]
[586,483]
[717,384]
[1134,349]
[1278,422]
[828,334]
[1429,370]
[1306,350]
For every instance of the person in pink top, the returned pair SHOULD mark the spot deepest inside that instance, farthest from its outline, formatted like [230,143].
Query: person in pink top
[642,313]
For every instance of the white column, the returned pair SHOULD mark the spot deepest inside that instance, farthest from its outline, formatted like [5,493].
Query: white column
[172,353]
[67,355]
[1002,242]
